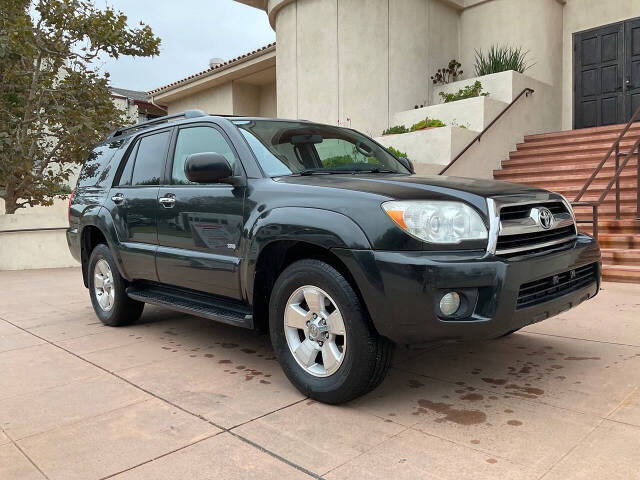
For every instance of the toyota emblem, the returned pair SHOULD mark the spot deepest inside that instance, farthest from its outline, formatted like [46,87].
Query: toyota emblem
[545,218]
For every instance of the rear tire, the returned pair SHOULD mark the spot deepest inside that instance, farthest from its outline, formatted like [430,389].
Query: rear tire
[107,289]
[337,356]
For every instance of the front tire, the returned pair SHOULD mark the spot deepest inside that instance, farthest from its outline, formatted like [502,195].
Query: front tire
[107,289]
[322,335]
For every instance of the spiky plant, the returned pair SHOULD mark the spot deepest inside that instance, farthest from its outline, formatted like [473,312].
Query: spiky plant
[500,58]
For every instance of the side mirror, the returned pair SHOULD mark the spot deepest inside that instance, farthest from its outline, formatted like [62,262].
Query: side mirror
[207,167]
[407,163]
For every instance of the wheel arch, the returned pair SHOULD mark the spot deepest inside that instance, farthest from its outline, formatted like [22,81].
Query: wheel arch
[285,234]
[97,227]
[275,258]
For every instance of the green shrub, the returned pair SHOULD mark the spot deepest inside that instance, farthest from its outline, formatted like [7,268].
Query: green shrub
[469,91]
[337,161]
[395,129]
[427,123]
[397,153]
[500,58]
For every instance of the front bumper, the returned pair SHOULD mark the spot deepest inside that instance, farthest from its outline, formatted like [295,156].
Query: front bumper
[402,290]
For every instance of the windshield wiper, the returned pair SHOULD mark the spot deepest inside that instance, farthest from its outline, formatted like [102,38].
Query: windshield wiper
[313,171]
[375,170]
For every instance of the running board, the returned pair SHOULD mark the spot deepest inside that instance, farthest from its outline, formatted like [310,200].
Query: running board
[200,305]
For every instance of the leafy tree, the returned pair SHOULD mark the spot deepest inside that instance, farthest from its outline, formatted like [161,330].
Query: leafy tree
[54,104]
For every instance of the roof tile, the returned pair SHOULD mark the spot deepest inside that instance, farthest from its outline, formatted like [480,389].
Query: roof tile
[210,70]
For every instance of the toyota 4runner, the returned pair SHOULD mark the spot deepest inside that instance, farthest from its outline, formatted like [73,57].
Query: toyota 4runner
[320,236]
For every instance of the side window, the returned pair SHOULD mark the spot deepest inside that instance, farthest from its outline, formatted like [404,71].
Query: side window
[125,176]
[335,152]
[149,163]
[96,166]
[198,140]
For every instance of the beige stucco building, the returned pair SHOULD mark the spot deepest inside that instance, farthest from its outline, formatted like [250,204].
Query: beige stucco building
[367,60]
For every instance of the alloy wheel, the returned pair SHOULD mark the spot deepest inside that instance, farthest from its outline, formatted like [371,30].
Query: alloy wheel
[103,285]
[315,331]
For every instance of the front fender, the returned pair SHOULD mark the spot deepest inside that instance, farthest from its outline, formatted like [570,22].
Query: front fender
[323,228]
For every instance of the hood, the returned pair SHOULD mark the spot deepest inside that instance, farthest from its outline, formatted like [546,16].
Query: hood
[412,187]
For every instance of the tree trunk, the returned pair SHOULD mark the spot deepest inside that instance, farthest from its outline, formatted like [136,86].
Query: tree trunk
[10,199]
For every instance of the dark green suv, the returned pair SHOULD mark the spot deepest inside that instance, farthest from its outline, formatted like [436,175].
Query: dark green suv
[320,236]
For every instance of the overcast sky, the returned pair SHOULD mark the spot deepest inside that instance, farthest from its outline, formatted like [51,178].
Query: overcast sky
[192,32]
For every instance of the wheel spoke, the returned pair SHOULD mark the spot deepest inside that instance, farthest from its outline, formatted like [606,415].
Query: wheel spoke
[111,297]
[101,267]
[335,323]
[330,356]
[306,353]
[295,316]
[315,300]
[103,300]
[98,280]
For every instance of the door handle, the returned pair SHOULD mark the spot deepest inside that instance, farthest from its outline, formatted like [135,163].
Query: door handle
[117,198]
[168,201]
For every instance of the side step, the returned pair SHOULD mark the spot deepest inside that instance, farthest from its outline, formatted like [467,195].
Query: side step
[193,303]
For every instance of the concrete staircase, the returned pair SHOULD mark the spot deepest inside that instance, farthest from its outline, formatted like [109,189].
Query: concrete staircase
[562,162]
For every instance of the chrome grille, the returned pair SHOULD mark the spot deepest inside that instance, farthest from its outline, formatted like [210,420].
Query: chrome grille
[545,289]
[514,244]
[517,212]
[518,224]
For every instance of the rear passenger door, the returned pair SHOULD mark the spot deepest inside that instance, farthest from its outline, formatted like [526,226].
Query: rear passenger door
[133,204]
[199,226]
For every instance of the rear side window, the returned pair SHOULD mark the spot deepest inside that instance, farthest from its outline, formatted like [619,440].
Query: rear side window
[97,165]
[150,159]
[198,140]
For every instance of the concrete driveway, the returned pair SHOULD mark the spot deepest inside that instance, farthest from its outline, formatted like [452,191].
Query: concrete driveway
[178,397]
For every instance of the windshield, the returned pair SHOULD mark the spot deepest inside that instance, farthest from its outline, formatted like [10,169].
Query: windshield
[286,148]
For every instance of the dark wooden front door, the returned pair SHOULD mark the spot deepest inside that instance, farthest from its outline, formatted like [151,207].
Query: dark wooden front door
[606,74]
[632,66]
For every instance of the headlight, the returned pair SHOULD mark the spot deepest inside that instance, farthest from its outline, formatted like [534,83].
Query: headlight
[437,221]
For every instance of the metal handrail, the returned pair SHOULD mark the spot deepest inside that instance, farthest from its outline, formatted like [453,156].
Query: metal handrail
[526,92]
[615,146]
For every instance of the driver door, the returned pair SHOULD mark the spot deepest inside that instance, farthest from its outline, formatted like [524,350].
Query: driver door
[199,226]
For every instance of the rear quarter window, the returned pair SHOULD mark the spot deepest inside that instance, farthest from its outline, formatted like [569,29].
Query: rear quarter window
[98,165]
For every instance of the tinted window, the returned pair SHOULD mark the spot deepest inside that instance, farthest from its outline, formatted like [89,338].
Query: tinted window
[150,158]
[97,165]
[125,176]
[198,140]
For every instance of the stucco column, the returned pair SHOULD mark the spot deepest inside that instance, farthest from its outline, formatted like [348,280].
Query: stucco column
[360,60]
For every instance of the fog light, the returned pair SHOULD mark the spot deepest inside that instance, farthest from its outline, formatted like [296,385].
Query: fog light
[449,303]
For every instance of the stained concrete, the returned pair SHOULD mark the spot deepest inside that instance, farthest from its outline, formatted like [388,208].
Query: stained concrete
[175,396]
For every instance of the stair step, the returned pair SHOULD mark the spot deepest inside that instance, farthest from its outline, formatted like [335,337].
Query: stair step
[193,303]
[552,178]
[576,143]
[588,168]
[621,273]
[608,137]
[620,256]
[628,226]
[606,209]
[619,240]
[582,132]
[594,148]
[563,159]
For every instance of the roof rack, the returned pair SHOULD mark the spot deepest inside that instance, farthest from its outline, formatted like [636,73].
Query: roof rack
[156,121]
